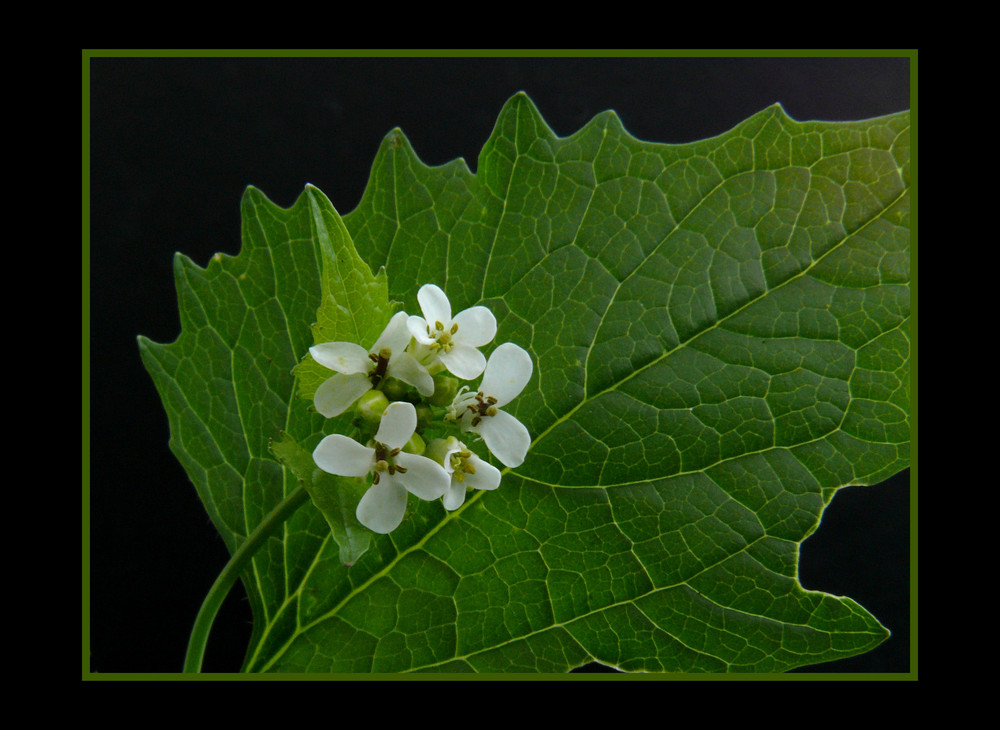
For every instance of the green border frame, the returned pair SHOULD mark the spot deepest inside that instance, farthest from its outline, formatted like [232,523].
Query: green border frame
[87,54]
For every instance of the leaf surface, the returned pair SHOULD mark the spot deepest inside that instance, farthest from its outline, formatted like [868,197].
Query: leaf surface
[719,331]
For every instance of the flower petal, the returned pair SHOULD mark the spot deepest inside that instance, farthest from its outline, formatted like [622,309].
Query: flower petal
[423,477]
[434,304]
[395,336]
[335,395]
[505,437]
[344,357]
[507,372]
[398,423]
[455,496]
[464,361]
[476,326]
[406,368]
[382,507]
[487,476]
[452,445]
[338,454]
[418,328]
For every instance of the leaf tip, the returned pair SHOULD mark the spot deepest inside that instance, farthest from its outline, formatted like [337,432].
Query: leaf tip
[778,109]
[395,140]
[313,193]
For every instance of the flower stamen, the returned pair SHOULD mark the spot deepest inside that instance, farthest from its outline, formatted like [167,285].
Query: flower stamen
[484,406]
[384,461]
[442,339]
[381,360]
[461,465]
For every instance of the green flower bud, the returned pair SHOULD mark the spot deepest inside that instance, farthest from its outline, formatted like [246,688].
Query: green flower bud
[371,406]
[437,448]
[394,389]
[425,417]
[415,445]
[445,387]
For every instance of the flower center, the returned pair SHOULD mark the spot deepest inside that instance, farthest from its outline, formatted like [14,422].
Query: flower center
[383,461]
[442,337]
[461,466]
[381,360]
[484,406]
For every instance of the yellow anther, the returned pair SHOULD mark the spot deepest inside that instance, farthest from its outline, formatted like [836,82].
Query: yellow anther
[460,466]
[439,326]
[442,342]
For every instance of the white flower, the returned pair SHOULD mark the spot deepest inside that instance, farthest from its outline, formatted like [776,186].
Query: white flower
[453,341]
[466,469]
[507,372]
[359,370]
[395,472]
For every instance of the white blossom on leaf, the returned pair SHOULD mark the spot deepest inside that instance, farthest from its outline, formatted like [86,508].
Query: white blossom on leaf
[466,469]
[359,370]
[507,372]
[395,473]
[452,341]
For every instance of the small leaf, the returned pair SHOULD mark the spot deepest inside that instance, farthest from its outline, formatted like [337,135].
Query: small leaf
[354,305]
[336,497]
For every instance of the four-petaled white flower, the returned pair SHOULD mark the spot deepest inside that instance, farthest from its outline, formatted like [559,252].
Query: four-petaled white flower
[395,472]
[507,372]
[452,341]
[359,370]
[466,469]
[415,350]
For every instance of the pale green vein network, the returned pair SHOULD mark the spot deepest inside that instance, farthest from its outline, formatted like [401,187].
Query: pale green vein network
[614,386]
[565,624]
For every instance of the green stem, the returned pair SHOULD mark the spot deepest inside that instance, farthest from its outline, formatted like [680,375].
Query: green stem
[229,575]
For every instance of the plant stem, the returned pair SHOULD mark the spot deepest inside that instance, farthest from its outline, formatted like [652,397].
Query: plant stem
[229,575]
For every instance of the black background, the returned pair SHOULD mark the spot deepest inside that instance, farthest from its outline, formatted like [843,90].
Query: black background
[173,144]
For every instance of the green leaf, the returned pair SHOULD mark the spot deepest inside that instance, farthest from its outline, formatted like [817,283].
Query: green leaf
[720,339]
[354,305]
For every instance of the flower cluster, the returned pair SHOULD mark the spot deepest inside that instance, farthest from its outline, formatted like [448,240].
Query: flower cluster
[405,388]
